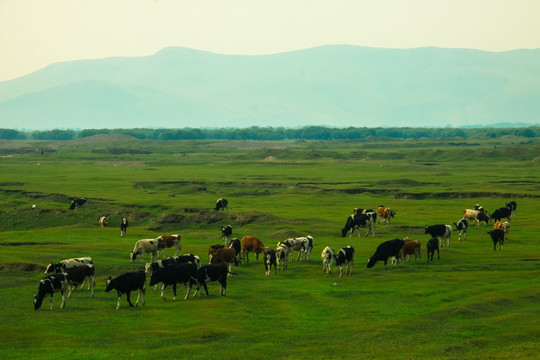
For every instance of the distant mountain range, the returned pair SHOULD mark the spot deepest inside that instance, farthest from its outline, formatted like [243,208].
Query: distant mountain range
[337,86]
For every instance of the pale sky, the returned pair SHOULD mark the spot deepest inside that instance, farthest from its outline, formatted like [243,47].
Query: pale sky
[36,33]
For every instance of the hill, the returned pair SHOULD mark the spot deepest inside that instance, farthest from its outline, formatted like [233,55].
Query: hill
[338,86]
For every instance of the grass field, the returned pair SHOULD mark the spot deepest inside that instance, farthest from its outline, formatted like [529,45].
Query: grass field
[473,303]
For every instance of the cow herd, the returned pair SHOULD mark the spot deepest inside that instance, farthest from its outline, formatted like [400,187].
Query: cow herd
[68,274]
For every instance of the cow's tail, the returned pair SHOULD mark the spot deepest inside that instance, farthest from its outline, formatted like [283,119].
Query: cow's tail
[232,273]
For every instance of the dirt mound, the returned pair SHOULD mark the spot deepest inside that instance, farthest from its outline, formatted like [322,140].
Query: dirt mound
[20,267]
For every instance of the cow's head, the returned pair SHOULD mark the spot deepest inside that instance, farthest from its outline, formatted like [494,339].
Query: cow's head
[371,262]
[37,302]
[427,229]
[133,256]
[110,284]
[344,232]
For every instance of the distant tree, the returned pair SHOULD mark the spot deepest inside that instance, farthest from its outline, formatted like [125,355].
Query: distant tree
[10,134]
[54,135]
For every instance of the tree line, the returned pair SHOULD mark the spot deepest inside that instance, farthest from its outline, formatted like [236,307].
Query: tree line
[275,133]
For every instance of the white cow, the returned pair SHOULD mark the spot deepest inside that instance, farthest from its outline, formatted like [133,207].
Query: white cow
[328,254]
[145,245]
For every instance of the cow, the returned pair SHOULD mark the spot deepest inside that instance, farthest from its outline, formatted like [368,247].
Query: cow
[67,263]
[182,259]
[236,245]
[498,238]
[501,213]
[480,208]
[103,221]
[212,272]
[461,227]
[345,259]
[288,245]
[123,226]
[251,244]
[126,283]
[145,245]
[173,274]
[431,246]
[269,260]
[78,275]
[226,232]
[384,214]
[212,249]
[442,231]
[282,253]
[412,247]
[78,203]
[224,256]
[167,241]
[328,254]
[512,205]
[504,226]
[48,286]
[294,244]
[385,250]
[222,204]
[360,220]
[475,215]
[306,244]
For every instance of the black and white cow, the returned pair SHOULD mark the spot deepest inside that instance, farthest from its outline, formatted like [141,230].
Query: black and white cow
[356,221]
[182,259]
[431,246]
[306,243]
[345,259]
[78,275]
[173,274]
[67,263]
[126,283]
[328,254]
[385,250]
[512,205]
[461,227]
[236,245]
[282,254]
[501,213]
[222,204]
[441,231]
[226,232]
[123,226]
[269,261]
[497,236]
[78,203]
[212,272]
[48,286]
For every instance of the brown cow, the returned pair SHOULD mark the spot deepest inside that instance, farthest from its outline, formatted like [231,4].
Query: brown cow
[224,256]
[167,241]
[411,247]
[504,226]
[250,243]
[384,214]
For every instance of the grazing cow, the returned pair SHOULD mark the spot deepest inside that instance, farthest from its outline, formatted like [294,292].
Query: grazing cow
[461,227]
[145,245]
[412,247]
[512,205]
[387,249]
[432,245]
[442,231]
[269,260]
[498,238]
[222,204]
[167,241]
[126,283]
[384,214]
[360,220]
[475,215]
[288,244]
[123,226]
[345,258]
[251,244]
[103,221]
[306,248]
[282,253]
[67,263]
[501,213]
[48,286]
[236,245]
[504,226]
[173,274]
[182,259]
[226,232]
[224,256]
[212,249]
[78,275]
[78,203]
[328,254]
[212,272]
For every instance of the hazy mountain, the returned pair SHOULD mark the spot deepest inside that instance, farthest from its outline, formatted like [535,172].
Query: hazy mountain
[332,85]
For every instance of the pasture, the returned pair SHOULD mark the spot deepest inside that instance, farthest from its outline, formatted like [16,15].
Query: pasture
[473,303]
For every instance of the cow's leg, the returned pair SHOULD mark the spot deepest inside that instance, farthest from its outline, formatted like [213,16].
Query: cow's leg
[119,297]
[141,295]
[63,299]
[70,289]
[92,284]
[223,283]
[188,285]
[128,296]
[163,291]
[174,291]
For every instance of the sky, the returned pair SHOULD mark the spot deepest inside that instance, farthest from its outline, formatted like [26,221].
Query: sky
[36,33]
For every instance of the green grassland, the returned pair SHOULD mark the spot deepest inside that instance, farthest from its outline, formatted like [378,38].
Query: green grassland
[473,303]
